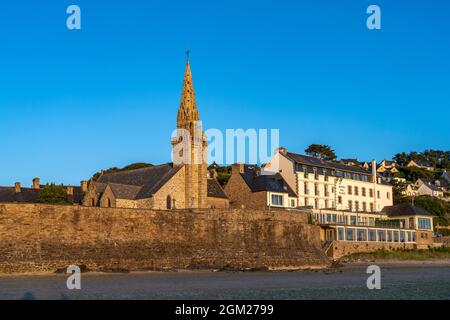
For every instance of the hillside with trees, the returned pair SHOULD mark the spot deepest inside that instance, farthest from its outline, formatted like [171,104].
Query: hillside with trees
[133,166]
[438,158]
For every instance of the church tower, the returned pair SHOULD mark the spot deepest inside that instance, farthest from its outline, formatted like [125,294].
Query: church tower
[189,145]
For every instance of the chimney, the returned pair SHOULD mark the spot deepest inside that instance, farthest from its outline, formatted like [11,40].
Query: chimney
[17,187]
[237,168]
[84,186]
[70,191]
[213,173]
[36,184]
[374,171]
[281,150]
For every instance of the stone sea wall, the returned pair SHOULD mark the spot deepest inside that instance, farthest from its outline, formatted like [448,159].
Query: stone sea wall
[44,238]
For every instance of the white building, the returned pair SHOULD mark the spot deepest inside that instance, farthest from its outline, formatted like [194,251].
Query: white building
[329,185]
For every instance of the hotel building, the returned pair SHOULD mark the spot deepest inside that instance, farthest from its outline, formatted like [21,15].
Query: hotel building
[323,184]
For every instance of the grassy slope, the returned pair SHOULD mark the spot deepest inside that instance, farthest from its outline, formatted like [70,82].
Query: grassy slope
[437,253]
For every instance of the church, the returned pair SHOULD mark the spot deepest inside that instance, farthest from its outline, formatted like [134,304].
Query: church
[183,184]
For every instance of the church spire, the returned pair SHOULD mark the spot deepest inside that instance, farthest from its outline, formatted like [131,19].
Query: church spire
[187,113]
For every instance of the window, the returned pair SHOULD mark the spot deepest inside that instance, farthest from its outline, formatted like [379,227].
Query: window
[306,188]
[396,236]
[363,191]
[306,202]
[327,194]
[327,204]
[334,218]
[356,206]
[356,191]
[424,224]
[328,218]
[371,193]
[381,235]
[410,236]
[350,234]
[292,203]
[316,189]
[339,174]
[389,236]
[340,234]
[277,200]
[305,172]
[353,220]
[345,219]
[362,235]
[326,177]
[350,205]
[340,200]
[364,207]
[388,195]
[372,207]
[168,203]
[316,174]
[372,235]
[402,236]
[349,190]
[378,195]
[316,203]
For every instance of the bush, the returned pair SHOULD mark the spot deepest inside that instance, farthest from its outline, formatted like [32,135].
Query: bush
[53,194]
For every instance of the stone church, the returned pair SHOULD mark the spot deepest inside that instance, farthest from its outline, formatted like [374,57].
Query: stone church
[183,184]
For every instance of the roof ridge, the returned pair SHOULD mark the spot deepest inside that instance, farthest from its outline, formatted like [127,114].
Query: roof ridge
[139,169]
[326,161]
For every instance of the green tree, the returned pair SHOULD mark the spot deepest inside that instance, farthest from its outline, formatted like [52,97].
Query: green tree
[323,152]
[54,194]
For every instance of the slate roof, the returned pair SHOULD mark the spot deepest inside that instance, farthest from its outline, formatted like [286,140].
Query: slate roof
[150,180]
[273,183]
[77,195]
[430,184]
[123,191]
[405,209]
[423,163]
[215,190]
[27,195]
[316,162]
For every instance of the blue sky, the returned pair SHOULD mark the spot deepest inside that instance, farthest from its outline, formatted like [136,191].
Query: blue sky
[74,102]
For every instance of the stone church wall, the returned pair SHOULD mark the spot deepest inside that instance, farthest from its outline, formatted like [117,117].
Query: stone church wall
[43,238]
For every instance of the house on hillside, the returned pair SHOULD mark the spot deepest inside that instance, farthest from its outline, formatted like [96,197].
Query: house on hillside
[427,187]
[420,164]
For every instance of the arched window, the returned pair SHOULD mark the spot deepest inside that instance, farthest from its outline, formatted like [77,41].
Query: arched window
[93,202]
[169,202]
[109,203]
